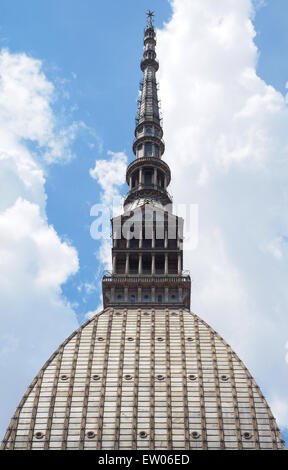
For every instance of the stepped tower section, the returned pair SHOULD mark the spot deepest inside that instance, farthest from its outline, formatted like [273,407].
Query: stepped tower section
[147,253]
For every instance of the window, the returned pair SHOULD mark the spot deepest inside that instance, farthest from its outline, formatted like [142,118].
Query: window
[134,243]
[159,264]
[148,149]
[146,264]
[133,265]
[147,243]
[172,264]
[156,150]
[121,244]
[172,244]
[160,179]
[120,264]
[148,177]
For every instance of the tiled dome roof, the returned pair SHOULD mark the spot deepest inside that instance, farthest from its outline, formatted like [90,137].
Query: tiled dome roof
[143,379]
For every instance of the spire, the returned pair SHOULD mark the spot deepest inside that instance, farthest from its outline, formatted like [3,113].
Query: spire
[148,145]
[148,109]
[147,252]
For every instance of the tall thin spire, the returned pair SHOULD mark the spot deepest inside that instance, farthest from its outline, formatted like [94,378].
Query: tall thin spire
[148,110]
[147,252]
[148,145]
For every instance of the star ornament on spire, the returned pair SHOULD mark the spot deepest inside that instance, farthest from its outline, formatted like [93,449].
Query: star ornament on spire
[150,15]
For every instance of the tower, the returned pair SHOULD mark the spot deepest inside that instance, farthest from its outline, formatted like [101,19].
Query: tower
[145,373]
[147,253]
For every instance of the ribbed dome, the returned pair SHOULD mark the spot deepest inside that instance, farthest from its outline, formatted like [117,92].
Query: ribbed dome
[143,379]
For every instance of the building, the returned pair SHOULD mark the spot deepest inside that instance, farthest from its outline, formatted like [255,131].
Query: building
[145,373]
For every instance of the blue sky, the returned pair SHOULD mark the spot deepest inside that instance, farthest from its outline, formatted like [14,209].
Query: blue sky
[90,53]
[93,58]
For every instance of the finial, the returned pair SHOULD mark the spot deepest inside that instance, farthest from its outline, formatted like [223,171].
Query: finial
[150,15]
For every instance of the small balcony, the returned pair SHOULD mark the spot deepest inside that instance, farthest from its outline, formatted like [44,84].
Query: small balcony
[108,277]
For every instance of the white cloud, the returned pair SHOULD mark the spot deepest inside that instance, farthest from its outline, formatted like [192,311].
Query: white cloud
[34,261]
[110,175]
[274,247]
[91,314]
[26,113]
[31,251]
[226,143]
[104,254]
[259,4]
[280,408]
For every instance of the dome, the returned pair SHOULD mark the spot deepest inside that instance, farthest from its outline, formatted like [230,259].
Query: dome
[145,379]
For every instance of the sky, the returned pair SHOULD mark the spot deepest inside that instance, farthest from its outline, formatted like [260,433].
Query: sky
[69,81]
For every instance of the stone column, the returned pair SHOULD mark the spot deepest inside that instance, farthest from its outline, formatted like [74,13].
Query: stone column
[126,294]
[166,264]
[166,294]
[127,264]
[113,264]
[165,238]
[179,264]
[153,294]
[140,264]
[180,294]
[155,177]
[139,294]
[153,235]
[140,177]
[153,265]
[178,241]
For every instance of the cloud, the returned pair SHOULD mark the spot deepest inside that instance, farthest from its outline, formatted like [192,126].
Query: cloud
[91,314]
[226,143]
[31,250]
[26,101]
[110,175]
[34,260]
